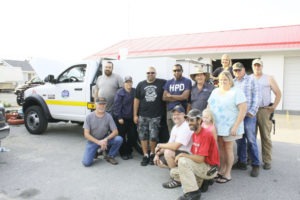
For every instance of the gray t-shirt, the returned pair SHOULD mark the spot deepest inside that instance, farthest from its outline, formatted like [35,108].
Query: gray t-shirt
[108,86]
[99,126]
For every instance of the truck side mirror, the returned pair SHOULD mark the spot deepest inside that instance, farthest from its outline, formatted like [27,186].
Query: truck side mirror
[50,79]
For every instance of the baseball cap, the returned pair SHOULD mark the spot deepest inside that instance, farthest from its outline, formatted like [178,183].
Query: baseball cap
[194,113]
[238,65]
[257,61]
[128,78]
[101,100]
[178,108]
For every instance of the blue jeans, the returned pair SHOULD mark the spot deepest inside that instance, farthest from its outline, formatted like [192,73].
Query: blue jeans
[91,149]
[248,140]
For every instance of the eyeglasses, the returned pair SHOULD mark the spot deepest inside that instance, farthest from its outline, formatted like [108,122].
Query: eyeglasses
[176,70]
[150,72]
[237,70]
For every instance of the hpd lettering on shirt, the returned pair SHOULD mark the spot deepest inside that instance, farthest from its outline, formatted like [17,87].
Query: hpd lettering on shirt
[176,87]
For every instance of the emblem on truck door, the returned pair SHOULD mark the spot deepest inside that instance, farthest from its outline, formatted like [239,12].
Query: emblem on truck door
[65,93]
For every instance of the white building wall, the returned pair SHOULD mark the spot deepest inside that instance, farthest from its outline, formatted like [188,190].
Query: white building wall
[137,68]
[274,66]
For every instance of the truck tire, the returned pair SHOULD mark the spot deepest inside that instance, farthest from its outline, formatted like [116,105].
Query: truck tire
[35,120]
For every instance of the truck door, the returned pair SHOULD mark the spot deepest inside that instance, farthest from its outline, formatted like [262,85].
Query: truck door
[69,100]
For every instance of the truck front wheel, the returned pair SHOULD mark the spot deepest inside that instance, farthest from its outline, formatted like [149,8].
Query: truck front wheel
[35,120]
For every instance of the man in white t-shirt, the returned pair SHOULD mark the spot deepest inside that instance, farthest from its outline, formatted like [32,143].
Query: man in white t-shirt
[179,142]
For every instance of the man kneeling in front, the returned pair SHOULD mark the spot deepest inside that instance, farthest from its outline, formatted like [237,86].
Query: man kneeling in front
[180,140]
[199,168]
[101,132]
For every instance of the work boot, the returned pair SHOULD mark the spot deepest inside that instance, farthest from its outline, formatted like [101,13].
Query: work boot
[254,171]
[111,160]
[125,157]
[205,184]
[191,196]
[240,165]
[267,166]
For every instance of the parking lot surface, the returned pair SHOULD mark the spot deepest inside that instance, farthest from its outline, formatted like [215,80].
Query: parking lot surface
[48,167]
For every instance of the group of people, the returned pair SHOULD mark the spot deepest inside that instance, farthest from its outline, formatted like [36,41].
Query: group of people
[204,121]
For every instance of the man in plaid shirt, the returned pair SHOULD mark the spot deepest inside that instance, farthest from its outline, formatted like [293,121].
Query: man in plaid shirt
[251,90]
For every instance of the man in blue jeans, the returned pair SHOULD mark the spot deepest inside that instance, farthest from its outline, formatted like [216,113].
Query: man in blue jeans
[101,132]
[250,88]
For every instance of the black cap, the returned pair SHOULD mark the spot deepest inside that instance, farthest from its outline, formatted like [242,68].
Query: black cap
[178,108]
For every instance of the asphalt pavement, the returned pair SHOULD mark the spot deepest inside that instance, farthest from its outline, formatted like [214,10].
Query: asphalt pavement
[48,167]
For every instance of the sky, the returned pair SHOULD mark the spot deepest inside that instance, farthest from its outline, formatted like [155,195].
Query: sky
[70,30]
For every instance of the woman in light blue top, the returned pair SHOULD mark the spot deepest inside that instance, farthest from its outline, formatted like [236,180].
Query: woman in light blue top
[228,104]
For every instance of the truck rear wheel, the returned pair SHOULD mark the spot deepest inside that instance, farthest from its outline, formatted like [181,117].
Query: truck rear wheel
[35,120]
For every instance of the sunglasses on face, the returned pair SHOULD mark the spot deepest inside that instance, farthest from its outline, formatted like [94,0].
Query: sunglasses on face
[237,70]
[150,72]
[176,70]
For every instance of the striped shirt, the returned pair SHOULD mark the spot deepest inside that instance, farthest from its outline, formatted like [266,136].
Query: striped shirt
[251,90]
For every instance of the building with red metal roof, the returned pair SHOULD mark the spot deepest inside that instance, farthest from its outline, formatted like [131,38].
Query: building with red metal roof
[209,43]
[278,47]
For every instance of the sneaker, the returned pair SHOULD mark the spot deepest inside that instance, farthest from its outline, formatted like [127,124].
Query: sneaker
[239,165]
[145,161]
[267,166]
[205,184]
[254,171]
[171,184]
[111,160]
[151,161]
[191,196]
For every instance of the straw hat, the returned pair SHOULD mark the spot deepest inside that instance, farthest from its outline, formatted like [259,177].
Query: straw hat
[199,70]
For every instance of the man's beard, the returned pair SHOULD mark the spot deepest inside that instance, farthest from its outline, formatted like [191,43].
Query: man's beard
[107,73]
[194,127]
